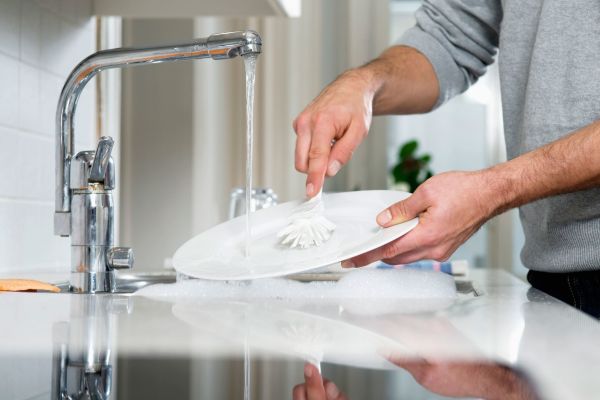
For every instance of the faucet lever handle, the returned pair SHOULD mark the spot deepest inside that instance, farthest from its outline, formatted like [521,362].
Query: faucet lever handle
[120,258]
[101,159]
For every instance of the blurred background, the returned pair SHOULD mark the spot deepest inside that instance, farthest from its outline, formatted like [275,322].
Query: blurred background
[180,127]
[183,125]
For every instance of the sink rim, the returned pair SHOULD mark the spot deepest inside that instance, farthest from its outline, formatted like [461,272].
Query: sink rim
[129,283]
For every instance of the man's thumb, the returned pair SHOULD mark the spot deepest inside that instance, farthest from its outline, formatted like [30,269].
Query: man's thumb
[400,212]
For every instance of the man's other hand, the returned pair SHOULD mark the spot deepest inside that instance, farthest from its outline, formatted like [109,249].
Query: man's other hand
[451,207]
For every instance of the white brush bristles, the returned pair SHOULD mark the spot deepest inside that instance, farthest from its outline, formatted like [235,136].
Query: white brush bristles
[308,226]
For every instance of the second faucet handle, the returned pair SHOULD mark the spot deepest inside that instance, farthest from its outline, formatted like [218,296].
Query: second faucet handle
[101,160]
[120,258]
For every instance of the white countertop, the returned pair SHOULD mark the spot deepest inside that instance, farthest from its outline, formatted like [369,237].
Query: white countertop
[554,344]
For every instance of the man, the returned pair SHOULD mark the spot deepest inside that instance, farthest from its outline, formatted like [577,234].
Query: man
[482,380]
[549,63]
[549,59]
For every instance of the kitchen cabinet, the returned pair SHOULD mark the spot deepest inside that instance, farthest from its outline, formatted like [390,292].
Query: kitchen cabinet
[196,8]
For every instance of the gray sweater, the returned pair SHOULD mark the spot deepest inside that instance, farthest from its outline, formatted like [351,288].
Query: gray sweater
[549,61]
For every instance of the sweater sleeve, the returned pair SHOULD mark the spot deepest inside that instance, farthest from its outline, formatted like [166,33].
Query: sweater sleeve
[459,38]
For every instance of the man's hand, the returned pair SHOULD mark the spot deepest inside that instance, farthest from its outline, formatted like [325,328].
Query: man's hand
[454,379]
[451,207]
[400,81]
[316,388]
[332,126]
[468,379]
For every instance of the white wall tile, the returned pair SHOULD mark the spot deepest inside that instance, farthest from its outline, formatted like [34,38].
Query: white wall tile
[84,118]
[50,5]
[39,45]
[31,19]
[81,41]
[9,162]
[25,378]
[9,95]
[30,116]
[52,44]
[27,240]
[41,396]
[35,160]
[76,10]
[9,27]
[50,88]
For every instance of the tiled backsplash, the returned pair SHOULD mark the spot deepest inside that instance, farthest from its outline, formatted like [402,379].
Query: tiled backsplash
[40,42]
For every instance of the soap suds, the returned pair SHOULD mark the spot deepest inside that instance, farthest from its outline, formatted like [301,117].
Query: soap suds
[360,284]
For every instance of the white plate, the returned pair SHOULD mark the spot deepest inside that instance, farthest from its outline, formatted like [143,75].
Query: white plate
[218,253]
[271,328]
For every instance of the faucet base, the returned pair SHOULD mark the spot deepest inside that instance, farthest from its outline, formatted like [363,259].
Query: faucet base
[93,282]
[62,223]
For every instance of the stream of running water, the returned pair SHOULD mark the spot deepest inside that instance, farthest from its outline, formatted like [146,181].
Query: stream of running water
[250,66]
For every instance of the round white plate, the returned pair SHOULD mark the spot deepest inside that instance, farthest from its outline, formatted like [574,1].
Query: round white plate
[218,253]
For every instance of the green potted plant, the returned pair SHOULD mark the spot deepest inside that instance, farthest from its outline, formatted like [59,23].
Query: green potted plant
[411,169]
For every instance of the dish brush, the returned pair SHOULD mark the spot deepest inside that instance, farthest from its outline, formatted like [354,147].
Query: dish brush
[307,226]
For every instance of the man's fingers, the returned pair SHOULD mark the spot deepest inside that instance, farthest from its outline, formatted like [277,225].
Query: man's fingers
[323,132]
[402,211]
[302,128]
[299,392]
[364,259]
[379,254]
[332,391]
[314,383]
[406,258]
[342,150]
[412,246]
[316,388]
[417,367]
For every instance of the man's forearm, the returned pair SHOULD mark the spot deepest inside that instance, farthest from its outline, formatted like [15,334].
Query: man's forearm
[569,164]
[403,81]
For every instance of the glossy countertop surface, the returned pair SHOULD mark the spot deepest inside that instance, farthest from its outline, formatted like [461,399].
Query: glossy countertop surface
[507,323]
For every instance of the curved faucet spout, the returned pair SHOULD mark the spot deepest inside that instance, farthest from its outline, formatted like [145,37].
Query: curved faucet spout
[218,46]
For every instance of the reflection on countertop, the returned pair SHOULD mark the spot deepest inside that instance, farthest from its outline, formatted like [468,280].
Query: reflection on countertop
[106,338]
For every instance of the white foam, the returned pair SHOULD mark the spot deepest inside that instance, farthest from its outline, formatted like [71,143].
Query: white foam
[359,284]
[396,284]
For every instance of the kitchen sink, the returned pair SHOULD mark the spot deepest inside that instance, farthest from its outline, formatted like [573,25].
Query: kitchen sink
[465,287]
[130,283]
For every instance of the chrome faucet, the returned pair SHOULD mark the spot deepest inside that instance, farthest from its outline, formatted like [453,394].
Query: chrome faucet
[84,182]
[85,351]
